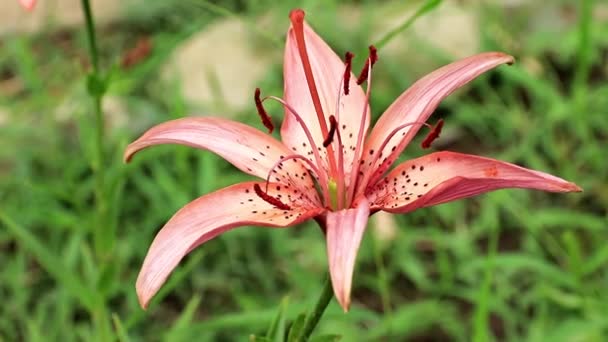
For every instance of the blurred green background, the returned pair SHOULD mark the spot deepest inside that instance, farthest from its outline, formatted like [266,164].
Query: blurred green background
[512,265]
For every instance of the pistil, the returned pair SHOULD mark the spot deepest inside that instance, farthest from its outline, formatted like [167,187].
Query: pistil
[297,21]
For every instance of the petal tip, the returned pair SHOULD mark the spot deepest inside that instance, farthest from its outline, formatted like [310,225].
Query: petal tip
[503,57]
[571,187]
[132,149]
[345,305]
[343,298]
[142,298]
[126,157]
[144,293]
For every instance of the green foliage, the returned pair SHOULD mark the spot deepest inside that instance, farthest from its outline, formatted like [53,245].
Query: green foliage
[511,265]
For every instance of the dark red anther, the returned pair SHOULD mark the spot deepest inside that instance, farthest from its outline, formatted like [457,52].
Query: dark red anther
[269,199]
[433,134]
[262,112]
[348,61]
[332,131]
[373,58]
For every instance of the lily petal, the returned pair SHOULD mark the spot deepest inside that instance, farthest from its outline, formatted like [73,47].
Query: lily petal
[328,72]
[418,102]
[247,148]
[28,4]
[208,216]
[344,231]
[447,176]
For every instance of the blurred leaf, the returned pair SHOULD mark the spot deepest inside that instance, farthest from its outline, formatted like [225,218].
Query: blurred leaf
[296,328]
[178,331]
[326,338]
[121,333]
[276,330]
[51,263]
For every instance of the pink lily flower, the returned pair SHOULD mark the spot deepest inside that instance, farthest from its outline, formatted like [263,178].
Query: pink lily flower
[28,4]
[327,167]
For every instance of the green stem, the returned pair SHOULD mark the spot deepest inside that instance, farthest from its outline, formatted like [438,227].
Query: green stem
[90,24]
[96,89]
[97,95]
[584,61]
[481,316]
[314,316]
[427,6]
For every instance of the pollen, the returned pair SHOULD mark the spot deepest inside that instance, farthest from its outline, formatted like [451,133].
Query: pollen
[269,199]
[348,61]
[369,63]
[433,134]
[266,121]
[332,131]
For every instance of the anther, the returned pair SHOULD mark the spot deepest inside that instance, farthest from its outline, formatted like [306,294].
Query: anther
[348,61]
[262,112]
[332,131]
[433,134]
[269,199]
[369,63]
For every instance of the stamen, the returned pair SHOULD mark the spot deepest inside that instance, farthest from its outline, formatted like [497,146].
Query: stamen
[433,134]
[376,154]
[369,63]
[371,177]
[269,199]
[322,176]
[262,112]
[348,61]
[354,175]
[332,130]
[290,157]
